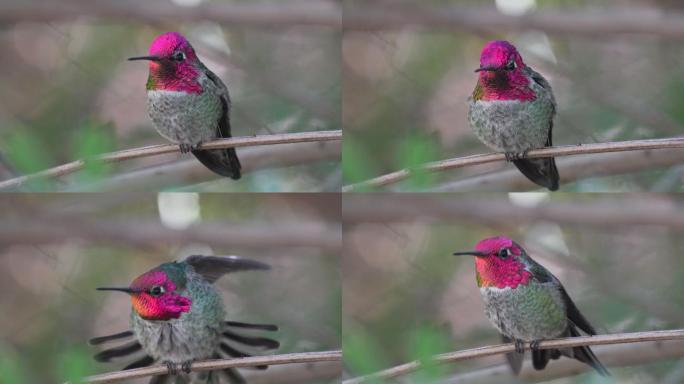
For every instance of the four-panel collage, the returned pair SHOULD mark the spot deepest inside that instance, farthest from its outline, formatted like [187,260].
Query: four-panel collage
[341,191]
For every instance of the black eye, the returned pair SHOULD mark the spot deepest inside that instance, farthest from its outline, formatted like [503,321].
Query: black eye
[511,65]
[178,56]
[504,253]
[156,290]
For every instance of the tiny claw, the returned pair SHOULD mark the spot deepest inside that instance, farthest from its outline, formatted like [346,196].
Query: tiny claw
[185,148]
[534,345]
[519,346]
[172,367]
[513,156]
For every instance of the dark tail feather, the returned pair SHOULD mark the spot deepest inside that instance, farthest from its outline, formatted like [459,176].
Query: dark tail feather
[162,379]
[514,359]
[104,339]
[222,161]
[144,362]
[265,327]
[232,352]
[252,341]
[586,355]
[123,350]
[540,171]
[540,358]
[234,377]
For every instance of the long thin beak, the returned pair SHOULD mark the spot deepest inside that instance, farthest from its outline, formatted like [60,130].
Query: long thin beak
[469,253]
[151,58]
[126,290]
[488,69]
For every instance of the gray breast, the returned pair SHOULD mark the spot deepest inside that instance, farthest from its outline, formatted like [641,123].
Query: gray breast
[512,125]
[528,313]
[185,118]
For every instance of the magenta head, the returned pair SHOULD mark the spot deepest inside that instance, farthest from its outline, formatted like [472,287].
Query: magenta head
[154,296]
[173,64]
[499,55]
[492,246]
[498,263]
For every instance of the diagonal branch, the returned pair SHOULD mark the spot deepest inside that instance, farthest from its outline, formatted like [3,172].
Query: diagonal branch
[209,365]
[488,20]
[616,355]
[153,150]
[618,338]
[565,150]
[326,14]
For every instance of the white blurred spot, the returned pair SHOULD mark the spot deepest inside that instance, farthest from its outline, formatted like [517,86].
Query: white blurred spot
[538,44]
[187,3]
[194,249]
[528,199]
[211,35]
[549,235]
[178,210]
[515,7]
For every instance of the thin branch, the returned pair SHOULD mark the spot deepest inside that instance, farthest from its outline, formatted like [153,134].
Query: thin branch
[248,14]
[610,21]
[191,171]
[619,355]
[53,229]
[573,169]
[209,365]
[618,338]
[154,150]
[604,212]
[565,150]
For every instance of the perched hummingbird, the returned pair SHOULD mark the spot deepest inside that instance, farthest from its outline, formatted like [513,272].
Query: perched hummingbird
[188,103]
[178,317]
[526,303]
[512,109]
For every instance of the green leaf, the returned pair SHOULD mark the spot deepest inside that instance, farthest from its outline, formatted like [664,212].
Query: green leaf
[415,151]
[26,154]
[10,369]
[90,141]
[73,365]
[356,164]
[361,355]
[426,342]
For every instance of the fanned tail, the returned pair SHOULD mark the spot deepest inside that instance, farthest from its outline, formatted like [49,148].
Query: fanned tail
[586,355]
[540,171]
[221,161]
[514,359]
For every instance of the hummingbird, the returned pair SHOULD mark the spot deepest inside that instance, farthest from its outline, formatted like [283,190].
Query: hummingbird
[527,303]
[178,317]
[512,110]
[188,103]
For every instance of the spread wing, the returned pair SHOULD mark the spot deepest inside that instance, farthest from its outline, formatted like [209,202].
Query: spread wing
[213,267]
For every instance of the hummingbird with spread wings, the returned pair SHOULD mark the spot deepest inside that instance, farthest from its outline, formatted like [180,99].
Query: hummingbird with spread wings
[178,317]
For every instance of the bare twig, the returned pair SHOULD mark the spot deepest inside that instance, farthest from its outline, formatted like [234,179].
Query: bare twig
[249,14]
[46,230]
[154,150]
[374,17]
[191,171]
[620,355]
[610,212]
[565,150]
[573,169]
[618,338]
[209,365]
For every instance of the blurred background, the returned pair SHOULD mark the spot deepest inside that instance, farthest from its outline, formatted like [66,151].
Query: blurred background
[406,85]
[406,297]
[56,249]
[68,92]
